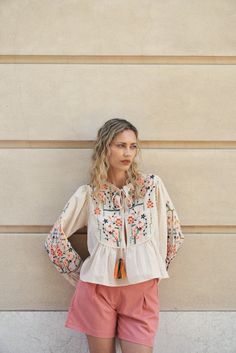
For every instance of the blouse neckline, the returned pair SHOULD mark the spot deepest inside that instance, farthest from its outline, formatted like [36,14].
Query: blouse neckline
[113,186]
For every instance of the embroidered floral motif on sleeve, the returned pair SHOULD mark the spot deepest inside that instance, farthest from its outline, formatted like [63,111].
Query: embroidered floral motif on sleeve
[57,245]
[60,251]
[169,224]
[175,236]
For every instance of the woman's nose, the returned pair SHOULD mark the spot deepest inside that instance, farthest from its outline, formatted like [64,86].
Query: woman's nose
[127,152]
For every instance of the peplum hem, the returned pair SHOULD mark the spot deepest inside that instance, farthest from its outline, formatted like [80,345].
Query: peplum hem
[143,262]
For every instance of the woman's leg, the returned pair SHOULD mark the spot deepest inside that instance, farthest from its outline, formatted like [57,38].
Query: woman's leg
[101,345]
[130,347]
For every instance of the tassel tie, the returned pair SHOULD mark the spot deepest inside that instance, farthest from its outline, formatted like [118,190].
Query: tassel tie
[119,197]
[119,270]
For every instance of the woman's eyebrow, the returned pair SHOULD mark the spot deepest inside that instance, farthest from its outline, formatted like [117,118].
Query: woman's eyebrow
[132,143]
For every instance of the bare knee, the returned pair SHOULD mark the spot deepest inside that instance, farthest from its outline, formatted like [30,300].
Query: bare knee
[131,347]
[101,345]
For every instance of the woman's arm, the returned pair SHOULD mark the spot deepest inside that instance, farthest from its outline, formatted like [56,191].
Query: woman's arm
[169,224]
[60,251]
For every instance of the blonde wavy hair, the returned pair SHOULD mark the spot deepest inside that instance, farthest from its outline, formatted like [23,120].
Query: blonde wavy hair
[100,164]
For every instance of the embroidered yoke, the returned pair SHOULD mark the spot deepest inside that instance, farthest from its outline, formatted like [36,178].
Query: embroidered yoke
[129,240]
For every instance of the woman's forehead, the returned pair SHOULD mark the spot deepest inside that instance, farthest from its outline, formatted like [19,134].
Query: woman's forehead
[126,136]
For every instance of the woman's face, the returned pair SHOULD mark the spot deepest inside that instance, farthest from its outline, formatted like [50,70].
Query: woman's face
[123,147]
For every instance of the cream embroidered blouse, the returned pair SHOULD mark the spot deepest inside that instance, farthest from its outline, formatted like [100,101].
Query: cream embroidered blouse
[152,238]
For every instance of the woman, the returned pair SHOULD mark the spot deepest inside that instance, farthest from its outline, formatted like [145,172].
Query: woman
[133,233]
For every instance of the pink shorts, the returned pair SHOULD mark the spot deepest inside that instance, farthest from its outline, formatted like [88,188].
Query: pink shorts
[129,312]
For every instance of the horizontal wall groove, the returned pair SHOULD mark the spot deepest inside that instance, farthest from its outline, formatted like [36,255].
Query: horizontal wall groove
[163,310]
[188,229]
[88,144]
[119,59]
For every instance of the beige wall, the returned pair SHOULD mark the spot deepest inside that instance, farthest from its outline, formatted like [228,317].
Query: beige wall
[55,98]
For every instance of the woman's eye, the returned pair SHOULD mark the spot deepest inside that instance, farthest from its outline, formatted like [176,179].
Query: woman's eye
[124,146]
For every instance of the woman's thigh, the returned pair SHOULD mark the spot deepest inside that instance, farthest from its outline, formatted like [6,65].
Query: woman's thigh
[101,345]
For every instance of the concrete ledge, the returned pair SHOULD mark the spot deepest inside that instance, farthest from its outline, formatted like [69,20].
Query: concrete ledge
[185,332]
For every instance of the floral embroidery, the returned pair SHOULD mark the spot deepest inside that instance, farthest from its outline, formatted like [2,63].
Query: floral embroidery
[149,204]
[119,221]
[149,185]
[139,219]
[131,219]
[111,227]
[102,196]
[104,186]
[175,236]
[137,231]
[138,224]
[97,211]
[59,249]
[140,180]
[114,212]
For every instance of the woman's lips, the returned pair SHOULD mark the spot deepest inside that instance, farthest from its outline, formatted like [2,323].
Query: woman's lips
[125,162]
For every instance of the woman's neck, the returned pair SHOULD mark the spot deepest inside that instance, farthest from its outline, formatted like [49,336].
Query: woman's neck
[119,180]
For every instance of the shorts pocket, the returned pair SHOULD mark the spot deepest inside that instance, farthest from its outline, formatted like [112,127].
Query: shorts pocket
[91,289]
[151,299]
[87,290]
[151,311]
